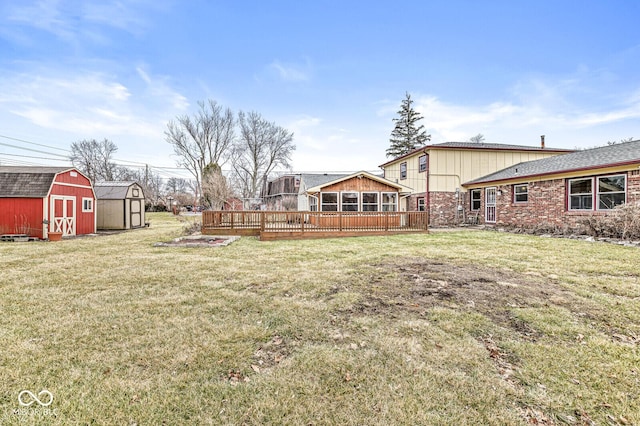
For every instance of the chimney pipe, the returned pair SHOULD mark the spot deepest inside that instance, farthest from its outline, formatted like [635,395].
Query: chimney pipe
[542,141]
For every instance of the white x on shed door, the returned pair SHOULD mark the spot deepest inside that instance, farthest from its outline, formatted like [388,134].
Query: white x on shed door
[63,215]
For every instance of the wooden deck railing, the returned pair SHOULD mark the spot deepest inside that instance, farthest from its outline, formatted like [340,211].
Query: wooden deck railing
[277,224]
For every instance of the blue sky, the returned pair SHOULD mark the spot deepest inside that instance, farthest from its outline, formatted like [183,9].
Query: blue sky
[333,72]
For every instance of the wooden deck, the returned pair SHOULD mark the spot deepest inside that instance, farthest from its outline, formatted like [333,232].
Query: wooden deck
[272,225]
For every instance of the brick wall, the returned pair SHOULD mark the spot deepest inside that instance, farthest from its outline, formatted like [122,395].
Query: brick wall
[442,208]
[546,207]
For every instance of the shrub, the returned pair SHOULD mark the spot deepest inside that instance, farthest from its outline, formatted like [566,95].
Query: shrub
[622,222]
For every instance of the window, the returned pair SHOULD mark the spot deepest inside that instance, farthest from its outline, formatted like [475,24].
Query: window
[403,170]
[135,192]
[421,204]
[349,202]
[369,201]
[476,196]
[87,204]
[608,191]
[521,193]
[313,204]
[329,201]
[389,201]
[422,163]
[611,191]
[581,194]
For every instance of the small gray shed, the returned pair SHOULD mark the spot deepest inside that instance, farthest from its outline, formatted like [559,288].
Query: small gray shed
[120,205]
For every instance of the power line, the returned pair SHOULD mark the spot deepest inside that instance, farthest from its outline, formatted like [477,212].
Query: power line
[33,150]
[31,156]
[33,143]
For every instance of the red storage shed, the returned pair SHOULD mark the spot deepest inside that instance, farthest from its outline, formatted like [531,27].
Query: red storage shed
[39,200]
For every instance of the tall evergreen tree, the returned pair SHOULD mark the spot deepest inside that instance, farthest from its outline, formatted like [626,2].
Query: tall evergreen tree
[407,134]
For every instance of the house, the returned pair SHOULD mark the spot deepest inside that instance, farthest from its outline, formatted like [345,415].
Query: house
[289,191]
[436,172]
[119,205]
[281,193]
[38,200]
[560,191]
[357,192]
[314,180]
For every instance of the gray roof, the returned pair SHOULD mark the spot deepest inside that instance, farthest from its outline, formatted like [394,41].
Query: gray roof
[27,182]
[482,145]
[610,155]
[309,180]
[478,146]
[116,190]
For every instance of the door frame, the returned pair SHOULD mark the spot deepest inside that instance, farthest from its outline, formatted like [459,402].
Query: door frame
[65,223]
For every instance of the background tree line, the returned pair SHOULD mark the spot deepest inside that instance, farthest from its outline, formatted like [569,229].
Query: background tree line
[213,137]
[205,142]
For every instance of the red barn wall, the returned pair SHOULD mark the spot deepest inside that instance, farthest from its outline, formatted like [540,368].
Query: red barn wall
[79,187]
[21,216]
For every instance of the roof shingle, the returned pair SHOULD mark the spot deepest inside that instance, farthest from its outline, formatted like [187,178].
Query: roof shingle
[620,153]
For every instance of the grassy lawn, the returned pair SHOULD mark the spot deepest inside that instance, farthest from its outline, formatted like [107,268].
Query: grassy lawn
[440,329]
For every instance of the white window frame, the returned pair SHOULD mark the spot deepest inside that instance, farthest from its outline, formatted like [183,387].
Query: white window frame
[421,204]
[422,163]
[598,193]
[385,206]
[595,192]
[322,203]
[525,193]
[580,194]
[403,170]
[366,204]
[343,204]
[87,201]
[313,203]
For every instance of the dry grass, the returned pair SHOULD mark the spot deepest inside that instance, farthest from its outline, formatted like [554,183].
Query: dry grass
[439,329]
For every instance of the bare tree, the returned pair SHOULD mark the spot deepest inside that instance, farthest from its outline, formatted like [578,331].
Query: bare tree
[479,138]
[262,146]
[205,138]
[176,185]
[95,159]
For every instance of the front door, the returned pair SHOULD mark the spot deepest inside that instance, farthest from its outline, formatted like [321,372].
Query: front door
[63,215]
[490,205]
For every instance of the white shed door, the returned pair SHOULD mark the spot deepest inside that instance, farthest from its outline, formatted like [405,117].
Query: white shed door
[136,213]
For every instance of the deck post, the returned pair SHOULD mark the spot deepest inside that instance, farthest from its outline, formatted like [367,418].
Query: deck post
[262,221]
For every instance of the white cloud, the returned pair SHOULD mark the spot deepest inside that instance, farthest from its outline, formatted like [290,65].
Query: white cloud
[72,106]
[291,72]
[541,108]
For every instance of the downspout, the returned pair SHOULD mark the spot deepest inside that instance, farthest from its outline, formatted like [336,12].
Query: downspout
[426,190]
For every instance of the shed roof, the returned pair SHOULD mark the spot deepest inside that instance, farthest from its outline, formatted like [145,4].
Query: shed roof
[113,190]
[27,182]
[606,156]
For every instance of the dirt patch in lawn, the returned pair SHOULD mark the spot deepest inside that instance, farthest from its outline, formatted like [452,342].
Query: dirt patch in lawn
[420,284]
[199,241]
